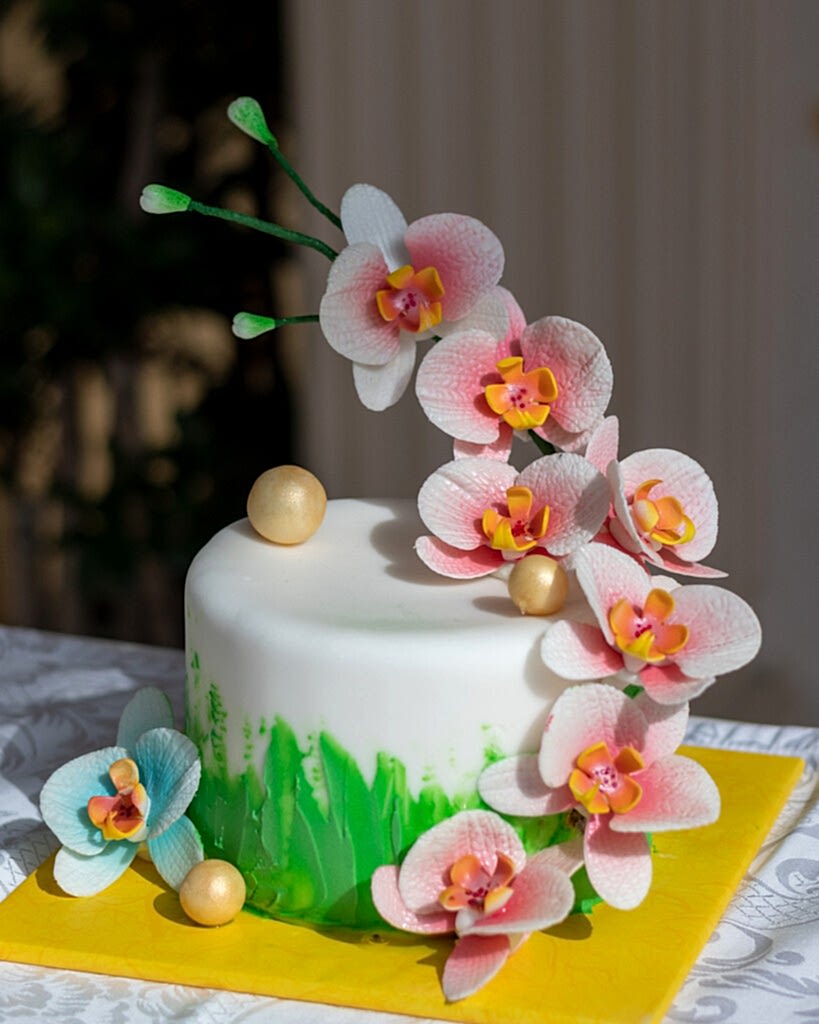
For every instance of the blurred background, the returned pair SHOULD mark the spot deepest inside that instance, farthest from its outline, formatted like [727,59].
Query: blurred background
[651,168]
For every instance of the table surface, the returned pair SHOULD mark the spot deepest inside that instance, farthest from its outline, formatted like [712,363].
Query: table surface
[62,695]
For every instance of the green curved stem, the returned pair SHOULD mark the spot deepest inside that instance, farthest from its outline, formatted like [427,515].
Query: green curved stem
[293,174]
[296,237]
[545,447]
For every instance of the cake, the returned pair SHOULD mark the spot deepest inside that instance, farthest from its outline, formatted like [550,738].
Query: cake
[454,715]
[344,700]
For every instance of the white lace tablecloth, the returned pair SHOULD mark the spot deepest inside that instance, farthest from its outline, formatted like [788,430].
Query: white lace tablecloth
[61,696]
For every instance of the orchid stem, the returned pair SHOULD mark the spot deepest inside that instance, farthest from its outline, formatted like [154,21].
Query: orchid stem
[293,174]
[306,318]
[296,237]
[545,447]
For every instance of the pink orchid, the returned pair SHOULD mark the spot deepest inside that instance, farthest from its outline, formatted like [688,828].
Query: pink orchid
[552,377]
[394,284]
[671,639]
[483,513]
[612,760]
[664,510]
[470,875]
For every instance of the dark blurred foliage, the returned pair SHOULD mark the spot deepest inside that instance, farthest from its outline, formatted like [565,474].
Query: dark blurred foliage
[82,267]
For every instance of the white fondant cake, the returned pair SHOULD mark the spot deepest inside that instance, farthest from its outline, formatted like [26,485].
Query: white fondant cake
[351,638]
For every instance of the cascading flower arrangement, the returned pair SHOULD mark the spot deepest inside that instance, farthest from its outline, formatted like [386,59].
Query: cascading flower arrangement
[649,644]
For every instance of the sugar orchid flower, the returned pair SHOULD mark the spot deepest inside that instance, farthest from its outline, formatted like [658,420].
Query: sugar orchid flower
[612,759]
[552,377]
[470,875]
[483,513]
[104,805]
[673,640]
[664,509]
[395,284]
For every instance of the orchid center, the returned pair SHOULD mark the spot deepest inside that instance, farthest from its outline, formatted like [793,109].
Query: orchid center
[122,816]
[602,783]
[412,300]
[521,528]
[524,399]
[471,886]
[645,633]
[662,520]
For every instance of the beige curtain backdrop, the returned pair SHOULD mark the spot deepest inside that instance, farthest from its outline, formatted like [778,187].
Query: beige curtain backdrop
[652,170]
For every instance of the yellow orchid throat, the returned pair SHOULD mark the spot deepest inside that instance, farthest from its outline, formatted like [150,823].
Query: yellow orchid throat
[523,400]
[472,887]
[645,633]
[121,816]
[602,783]
[663,520]
[522,528]
[414,299]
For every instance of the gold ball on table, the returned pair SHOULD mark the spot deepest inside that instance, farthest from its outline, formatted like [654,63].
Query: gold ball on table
[286,505]
[212,893]
[538,585]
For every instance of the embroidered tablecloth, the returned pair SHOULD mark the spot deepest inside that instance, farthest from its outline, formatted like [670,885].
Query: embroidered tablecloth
[61,696]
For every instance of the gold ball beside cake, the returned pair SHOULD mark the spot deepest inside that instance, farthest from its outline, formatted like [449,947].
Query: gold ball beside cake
[286,505]
[538,585]
[212,893]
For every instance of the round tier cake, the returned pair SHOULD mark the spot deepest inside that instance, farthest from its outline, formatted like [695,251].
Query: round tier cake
[344,699]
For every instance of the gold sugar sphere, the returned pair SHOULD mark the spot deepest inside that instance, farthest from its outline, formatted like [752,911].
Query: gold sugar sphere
[538,585]
[286,504]
[212,893]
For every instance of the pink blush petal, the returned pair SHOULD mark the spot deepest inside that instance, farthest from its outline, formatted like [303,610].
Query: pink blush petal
[452,500]
[724,631]
[424,873]
[474,961]
[542,896]
[466,254]
[514,786]
[380,387]
[575,650]
[618,864]
[677,793]
[450,386]
[370,215]
[603,444]
[667,685]
[671,563]
[581,367]
[577,496]
[580,718]
[516,317]
[666,727]
[392,908]
[455,563]
[348,314]
[500,449]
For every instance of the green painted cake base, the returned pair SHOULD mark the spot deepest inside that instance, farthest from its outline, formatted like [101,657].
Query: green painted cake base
[308,835]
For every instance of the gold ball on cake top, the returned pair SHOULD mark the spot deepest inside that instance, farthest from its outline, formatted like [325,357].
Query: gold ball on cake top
[538,585]
[286,505]
[212,893]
